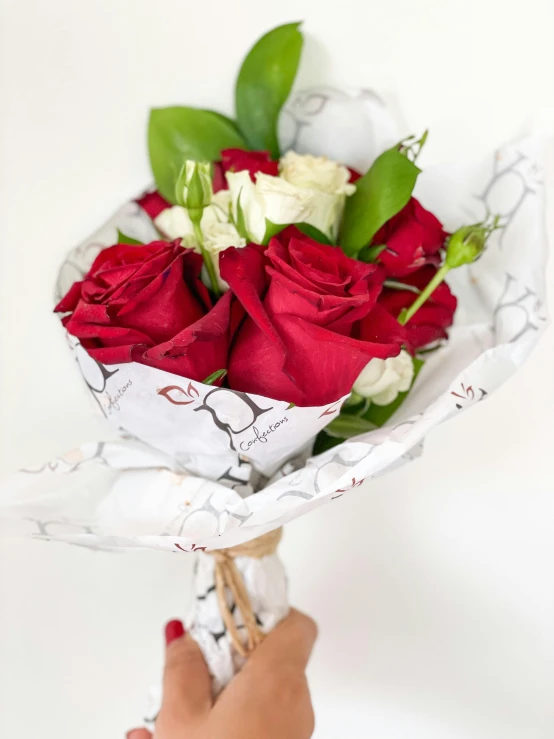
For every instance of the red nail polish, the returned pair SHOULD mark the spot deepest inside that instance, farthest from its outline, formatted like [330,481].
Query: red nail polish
[173,630]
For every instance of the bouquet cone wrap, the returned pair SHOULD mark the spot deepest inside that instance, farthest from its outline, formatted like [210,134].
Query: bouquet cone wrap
[205,468]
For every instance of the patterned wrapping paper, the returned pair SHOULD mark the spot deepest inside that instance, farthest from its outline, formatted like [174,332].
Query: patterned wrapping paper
[266,583]
[191,456]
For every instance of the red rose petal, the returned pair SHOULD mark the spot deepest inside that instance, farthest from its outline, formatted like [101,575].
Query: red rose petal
[153,203]
[200,349]
[238,160]
[412,237]
[71,299]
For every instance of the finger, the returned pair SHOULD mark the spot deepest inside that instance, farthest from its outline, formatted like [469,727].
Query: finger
[138,734]
[187,693]
[290,642]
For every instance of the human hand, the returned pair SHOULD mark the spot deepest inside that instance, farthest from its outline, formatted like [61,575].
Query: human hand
[268,698]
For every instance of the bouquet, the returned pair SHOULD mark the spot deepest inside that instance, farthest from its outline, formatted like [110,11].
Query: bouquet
[275,323]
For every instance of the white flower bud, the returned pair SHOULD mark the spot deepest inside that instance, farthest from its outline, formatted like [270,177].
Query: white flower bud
[382,379]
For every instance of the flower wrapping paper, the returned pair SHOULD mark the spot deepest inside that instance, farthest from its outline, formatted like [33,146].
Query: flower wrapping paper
[200,468]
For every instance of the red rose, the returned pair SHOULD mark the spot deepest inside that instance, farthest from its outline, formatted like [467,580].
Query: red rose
[313,323]
[354,175]
[153,203]
[430,322]
[238,160]
[218,180]
[413,238]
[147,304]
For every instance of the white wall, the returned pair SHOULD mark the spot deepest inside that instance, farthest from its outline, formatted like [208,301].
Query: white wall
[449,628]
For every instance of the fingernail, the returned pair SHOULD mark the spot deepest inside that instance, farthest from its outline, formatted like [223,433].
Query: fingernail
[173,630]
[135,734]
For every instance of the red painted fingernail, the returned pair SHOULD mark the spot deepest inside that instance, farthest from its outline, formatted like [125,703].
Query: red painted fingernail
[173,630]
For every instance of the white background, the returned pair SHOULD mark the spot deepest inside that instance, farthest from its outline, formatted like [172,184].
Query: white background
[448,627]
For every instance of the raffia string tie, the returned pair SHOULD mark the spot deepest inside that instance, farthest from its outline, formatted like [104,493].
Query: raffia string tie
[228,577]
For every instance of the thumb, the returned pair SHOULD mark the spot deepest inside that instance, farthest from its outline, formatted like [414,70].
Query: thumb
[187,690]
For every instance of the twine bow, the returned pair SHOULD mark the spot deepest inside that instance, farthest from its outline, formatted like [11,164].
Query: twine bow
[228,577]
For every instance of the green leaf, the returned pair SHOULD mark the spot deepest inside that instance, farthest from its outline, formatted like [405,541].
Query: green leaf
[240,220]
[380,414]
[370,253]
[314,233]
[228,122]
[323,442]
[124,239]
[271,230]
[291,405]
[346,426]
[178,133]
[343,427]
[214,377]
[355,405]
[264,83]
[380,194]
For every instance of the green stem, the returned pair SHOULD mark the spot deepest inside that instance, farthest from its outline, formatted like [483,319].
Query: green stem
[426,293]
[205,255]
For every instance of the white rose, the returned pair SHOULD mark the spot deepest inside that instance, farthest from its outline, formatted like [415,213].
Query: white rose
[174,222]
[316,173]
[326,180]
[382,379]
[268,199]
[218,232]
[221,204]
[217,238]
